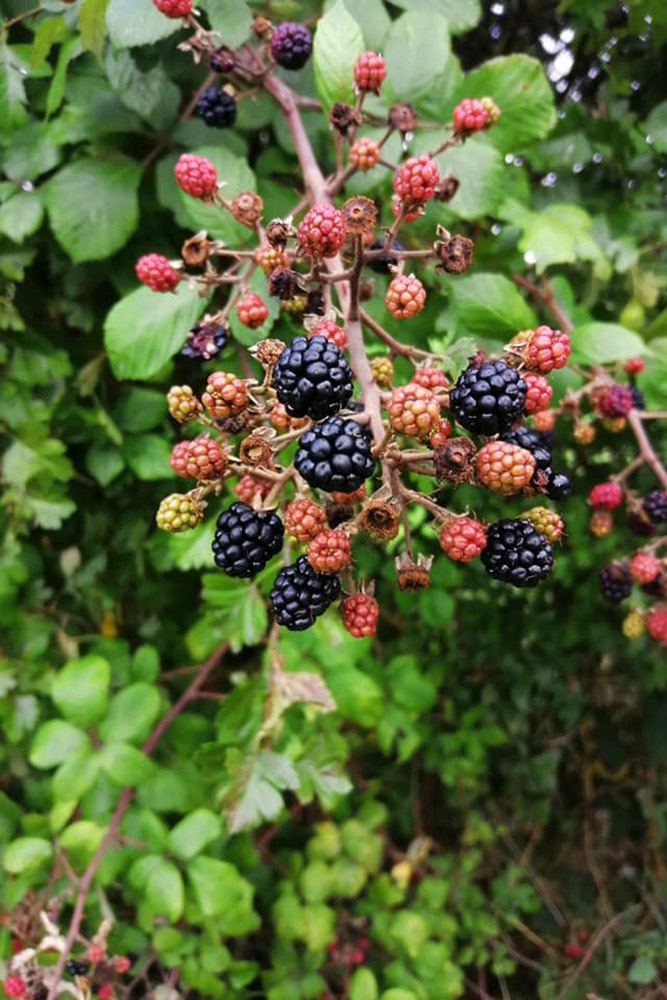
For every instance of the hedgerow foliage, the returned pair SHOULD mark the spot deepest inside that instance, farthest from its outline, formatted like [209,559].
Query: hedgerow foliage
[472,802]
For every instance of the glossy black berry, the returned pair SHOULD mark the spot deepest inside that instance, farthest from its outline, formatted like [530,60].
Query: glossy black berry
[300,595]
[291,45]
[312,378]
[75,968]
[335,455]
[246,539]
[205,341]
[489,398]
[216,108]
[655,506]
[538,443]
[558,485]
[381,264]
[657,587]
[517,553]
[638,401]
[640,524]
[615,582]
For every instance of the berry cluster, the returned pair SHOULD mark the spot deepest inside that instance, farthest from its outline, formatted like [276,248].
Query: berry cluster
[294,443]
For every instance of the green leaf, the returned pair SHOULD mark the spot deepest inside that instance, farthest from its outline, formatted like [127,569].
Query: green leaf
[93,207]
[151,94]
[54,742]
[81,840]
[12,89]
[144,329]
[398,993]
[558,234]
[480,171]
[336,45]
[417,50]
[231,18]
[656,126]
[461,15]
[222,893]
[148,456]
[363,985]
[193,833]
[68,51]
[164,890]
[73,778]
[92,25]
[490,305]
[125,764]
[130,23]
[642,971]
[601,343]
[81,689]
[131,713]
[192,549]
[254,793]
[26,853]
[21,215]
[104,463]
[521,90]
[372,18]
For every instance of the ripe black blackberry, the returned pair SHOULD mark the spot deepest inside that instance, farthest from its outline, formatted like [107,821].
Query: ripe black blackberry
[538,443]
[517,553]
[312,378]
[558,485]
[291,45]
[245,540]
[300,595]
[615,582]
[639,523]
[381,264]
[489,398]
[657,587]
[222,60]
[205,341]
[638,401]
[75,968]
[335,455]
[655,506]
[216,108]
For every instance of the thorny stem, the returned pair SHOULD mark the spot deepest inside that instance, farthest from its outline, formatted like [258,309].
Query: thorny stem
[406,350]
[121,808]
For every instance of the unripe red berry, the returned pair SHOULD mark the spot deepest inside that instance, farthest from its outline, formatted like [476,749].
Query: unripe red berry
[656,623]
[462,538]
[202,458]
[572,950]
[121,964]
[329,551]
[634,365]
[405,296]
[644,567]
[605,496]
[547,349]
[304,519]
[369,71]
[196,175]
[416,179]
[155,271]
[322,231]
[251,311]
[441,434]
[544,420]
[364,154]
[398,208]
[538,394]
[360,614]
[504,468]
[171,8]
[329,329]
[429,377]
[104,992]
[225,395]
[469,116]
[249,487]
[95,953]
[281,420]
[413,410]
[14,986]
[356,496]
